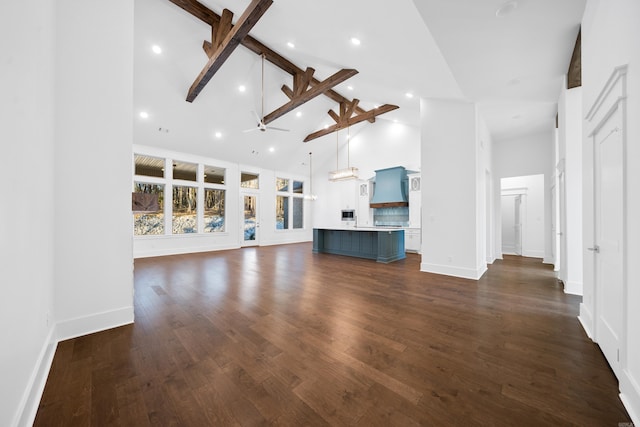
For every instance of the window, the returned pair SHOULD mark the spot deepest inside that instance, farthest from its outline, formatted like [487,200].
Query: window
[183,184]
[298,210]
[185,171]
[249,180]
[149,223]
[184,210]
[289,204]
[282,213]
[282,184]
[213,175]
[213,210]
[149,166]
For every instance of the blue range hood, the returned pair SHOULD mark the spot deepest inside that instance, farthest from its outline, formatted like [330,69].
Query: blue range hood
[391,188]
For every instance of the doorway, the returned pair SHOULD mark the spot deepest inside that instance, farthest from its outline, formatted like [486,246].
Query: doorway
[250,220]
[523,215]
[512,224]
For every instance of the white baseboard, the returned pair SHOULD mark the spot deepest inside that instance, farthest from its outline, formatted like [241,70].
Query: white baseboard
[630,396]
[448,270]
[586,320]
[548,260]
[26,413]
[532,253]
[149,253]
[95,323]
[573,288]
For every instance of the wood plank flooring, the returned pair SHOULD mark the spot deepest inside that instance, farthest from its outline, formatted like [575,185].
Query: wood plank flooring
[280,336]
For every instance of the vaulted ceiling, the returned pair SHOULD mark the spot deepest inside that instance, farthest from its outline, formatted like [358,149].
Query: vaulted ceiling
[512,66]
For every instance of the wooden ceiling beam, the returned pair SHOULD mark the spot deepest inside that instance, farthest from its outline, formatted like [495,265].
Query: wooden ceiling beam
[218,32]
[351,121]
[208,16]
[232,39]
[334,116]
[305,95]
[574,73]
[224,27]
[198,10]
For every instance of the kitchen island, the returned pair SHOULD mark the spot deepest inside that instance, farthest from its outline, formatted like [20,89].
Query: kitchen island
[385,245]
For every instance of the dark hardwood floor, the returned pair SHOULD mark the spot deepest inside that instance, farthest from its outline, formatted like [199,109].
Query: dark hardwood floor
[278,335]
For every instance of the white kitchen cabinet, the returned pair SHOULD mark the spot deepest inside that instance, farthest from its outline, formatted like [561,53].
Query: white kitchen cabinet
[412,240]
[415,200]
[364,212]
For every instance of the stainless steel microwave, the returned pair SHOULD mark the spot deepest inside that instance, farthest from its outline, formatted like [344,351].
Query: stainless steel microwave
[348,215]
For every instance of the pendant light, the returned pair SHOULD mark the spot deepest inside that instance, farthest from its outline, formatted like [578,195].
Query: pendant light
[310,195]
[349,172]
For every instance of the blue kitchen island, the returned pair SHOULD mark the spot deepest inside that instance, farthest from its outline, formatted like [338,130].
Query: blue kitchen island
[382,244]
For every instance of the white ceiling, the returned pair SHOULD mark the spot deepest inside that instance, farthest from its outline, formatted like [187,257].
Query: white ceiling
[511,66]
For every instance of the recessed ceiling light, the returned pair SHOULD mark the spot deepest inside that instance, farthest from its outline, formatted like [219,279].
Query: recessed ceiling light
[291,45]
[299,114]
[350,87]
[156,49]
[409,95]
[218,135]
[506,8]
[326,126]
[144,114]
[355,41]
[242,88]
[271,149]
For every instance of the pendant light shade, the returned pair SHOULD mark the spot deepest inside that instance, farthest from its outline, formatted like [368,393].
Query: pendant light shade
[343,174]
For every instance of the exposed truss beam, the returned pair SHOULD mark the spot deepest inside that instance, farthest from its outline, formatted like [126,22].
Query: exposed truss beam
[301,94]
[227,38]
[218,33]
[574,74]
[208,16]
[345,121]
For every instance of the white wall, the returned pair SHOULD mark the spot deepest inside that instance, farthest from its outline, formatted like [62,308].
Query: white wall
[26,211]
[486,202]
[528,155]
[533,208]
[570,153]
[94,94]
[450,234]
[610,34]
[66,249]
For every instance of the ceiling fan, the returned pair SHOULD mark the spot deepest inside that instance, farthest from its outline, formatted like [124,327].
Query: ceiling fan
[261,126]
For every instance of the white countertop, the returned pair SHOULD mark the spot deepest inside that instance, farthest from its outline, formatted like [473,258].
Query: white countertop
[352,228]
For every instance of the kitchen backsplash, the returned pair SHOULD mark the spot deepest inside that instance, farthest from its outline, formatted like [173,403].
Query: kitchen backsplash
[391,217]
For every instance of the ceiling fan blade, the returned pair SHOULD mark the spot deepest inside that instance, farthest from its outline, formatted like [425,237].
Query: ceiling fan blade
[251,130]
[280,129]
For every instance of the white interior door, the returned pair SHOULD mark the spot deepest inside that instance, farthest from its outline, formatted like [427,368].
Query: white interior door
[609,233]
[554,231]
[517,224]
[562,226]
[250,220]
[508,224]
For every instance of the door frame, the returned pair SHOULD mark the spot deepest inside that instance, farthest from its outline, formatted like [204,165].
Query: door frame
[243,194]
[516,193]
[612,99]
